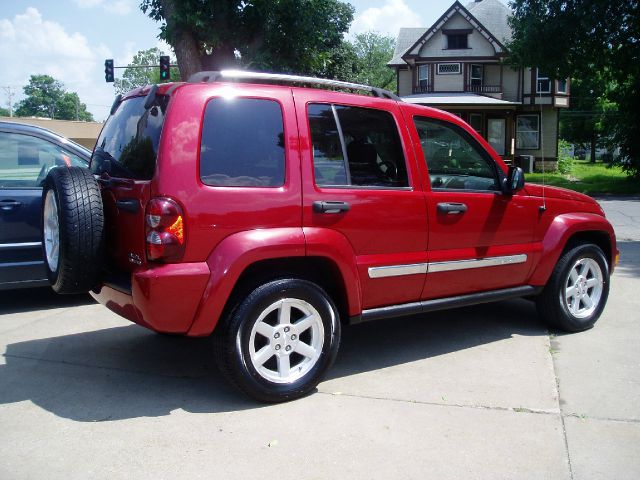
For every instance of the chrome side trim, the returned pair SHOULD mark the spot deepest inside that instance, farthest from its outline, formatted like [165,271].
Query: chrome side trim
[478,263]
[397,270]
[20,245]
[435,267]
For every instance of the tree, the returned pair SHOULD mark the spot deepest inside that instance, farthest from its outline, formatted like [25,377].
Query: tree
[135,76]
[590,37]
[4,112]
[302,36]
[46,97]
[372,52]
[588,120]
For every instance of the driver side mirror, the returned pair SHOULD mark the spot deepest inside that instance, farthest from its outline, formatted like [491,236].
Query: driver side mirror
[514,180]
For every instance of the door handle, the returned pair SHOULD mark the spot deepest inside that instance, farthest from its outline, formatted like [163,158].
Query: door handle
[452,208]
[330,207]
[7,205]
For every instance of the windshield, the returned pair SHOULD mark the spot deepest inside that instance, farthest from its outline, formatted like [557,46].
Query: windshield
[128,144]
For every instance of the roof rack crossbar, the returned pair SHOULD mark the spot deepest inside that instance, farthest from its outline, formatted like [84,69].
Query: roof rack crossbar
[284,78]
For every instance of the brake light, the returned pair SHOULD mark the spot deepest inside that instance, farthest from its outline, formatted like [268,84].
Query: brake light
[165,232]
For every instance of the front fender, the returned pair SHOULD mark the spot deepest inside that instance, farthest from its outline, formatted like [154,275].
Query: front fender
[560,231]
[230,258]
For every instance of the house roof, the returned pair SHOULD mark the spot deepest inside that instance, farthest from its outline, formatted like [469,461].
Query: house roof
[489,17]
[458,99]
[407,37]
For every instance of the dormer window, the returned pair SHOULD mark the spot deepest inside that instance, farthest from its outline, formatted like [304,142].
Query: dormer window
[457,39]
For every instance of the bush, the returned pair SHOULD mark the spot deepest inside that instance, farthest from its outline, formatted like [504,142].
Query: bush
[565,160]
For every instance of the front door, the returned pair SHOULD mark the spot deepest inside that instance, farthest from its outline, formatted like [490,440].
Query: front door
[480,239]
[497,134]
[359,189]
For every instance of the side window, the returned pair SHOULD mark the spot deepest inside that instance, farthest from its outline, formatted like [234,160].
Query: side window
[242,143]
[25,160]
[369,141]
[453,158]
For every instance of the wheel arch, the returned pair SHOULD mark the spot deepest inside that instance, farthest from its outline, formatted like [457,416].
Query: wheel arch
[245,260]
[569,230]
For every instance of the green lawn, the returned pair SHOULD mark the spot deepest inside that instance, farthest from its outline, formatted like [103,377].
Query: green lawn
[590,178]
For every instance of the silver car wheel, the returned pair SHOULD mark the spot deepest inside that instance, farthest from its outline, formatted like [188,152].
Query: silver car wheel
[51,231]
[583,288]
[286,340]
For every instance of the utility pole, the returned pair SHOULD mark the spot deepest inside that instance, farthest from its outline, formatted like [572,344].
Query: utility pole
[10,93]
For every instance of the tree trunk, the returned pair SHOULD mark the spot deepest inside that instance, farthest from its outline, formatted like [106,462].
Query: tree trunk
[188,53]
[184,44]
[593,147]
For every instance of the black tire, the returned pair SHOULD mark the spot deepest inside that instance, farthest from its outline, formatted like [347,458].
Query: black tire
[553,304]
[80,220]
[235,345]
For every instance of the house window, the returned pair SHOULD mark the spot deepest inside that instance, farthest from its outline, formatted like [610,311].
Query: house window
[423,76]
[543,84]
[475,120]
[448,68]
[457,41]
[562,86]
[476,73]
[528,132]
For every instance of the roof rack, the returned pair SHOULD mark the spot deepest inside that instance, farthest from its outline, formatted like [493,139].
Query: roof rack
[282,78]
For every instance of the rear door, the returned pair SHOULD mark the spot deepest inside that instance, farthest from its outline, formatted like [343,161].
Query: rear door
[359,180]
[125,161]
[24,162]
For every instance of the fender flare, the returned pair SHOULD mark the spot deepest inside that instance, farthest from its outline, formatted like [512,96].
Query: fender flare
[233,255]
[561,229]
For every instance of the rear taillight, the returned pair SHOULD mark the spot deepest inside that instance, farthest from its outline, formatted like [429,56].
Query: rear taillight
[164,230]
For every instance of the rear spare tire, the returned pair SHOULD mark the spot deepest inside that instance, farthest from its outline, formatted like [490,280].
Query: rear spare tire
[72,229]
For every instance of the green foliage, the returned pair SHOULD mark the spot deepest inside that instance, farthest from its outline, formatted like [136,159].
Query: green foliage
[591,178]
[565,161]
[4,112]
[134,76]
[302,36]
[47,97]
[372,52]
[589,38]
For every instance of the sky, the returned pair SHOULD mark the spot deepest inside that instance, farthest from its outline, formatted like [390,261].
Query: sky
[70,39]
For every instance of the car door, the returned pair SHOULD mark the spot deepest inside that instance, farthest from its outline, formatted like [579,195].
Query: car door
[480,238]
[24,161]
[358,183]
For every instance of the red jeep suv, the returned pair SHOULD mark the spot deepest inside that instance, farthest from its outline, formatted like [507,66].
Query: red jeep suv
[267,212]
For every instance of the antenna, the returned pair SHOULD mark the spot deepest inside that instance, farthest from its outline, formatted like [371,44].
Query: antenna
[543,207]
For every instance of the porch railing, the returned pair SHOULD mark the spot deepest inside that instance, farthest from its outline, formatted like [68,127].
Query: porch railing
[483,88]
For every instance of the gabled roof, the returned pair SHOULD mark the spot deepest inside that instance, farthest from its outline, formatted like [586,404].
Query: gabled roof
[488,17]
[407,37]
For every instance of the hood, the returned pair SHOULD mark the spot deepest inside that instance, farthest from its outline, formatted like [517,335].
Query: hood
[535,190]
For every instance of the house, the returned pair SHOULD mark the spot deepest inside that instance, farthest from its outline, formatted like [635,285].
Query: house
[459,65]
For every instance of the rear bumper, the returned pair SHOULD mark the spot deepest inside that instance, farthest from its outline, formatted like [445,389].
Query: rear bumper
[164,298]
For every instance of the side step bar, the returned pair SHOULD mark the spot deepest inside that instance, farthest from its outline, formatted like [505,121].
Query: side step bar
[444,303]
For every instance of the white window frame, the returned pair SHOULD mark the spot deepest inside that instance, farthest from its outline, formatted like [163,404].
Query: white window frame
[423,67]
[537,131]
[472,78]
[542,78]
[449,73]
[559,82]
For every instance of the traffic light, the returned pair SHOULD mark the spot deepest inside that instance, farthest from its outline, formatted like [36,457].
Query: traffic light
[108,70]
[165,68]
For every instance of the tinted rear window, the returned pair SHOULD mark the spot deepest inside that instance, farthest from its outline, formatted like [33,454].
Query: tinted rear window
[242,143]
[128,144]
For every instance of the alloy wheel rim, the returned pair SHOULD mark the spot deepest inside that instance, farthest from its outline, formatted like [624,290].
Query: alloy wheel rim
[286,340]
[51,231]
[583,288]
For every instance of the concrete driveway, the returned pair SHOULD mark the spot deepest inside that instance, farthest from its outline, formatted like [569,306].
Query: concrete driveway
[484,392]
